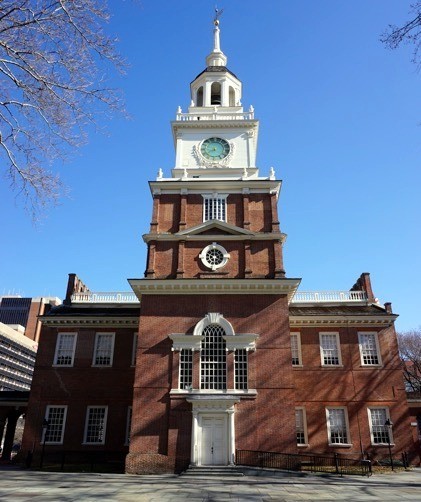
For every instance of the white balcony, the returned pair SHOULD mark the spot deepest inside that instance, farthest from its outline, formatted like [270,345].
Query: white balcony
[329,296]
[193,117]
[110,297]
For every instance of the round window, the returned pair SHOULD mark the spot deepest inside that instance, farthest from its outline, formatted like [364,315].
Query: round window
[214,256]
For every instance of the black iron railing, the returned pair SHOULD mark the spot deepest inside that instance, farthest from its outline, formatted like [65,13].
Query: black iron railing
[334,464]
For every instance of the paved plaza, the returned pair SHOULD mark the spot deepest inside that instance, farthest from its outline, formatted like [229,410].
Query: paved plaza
[20,485]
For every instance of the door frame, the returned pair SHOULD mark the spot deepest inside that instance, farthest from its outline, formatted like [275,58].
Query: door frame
[212,406]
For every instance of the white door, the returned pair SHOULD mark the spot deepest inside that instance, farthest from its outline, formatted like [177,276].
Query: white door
[214,441]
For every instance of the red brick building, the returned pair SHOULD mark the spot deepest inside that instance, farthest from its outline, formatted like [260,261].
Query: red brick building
[218,351]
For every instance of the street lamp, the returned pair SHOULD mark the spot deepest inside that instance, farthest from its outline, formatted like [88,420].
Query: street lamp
[388,424]
[45,426]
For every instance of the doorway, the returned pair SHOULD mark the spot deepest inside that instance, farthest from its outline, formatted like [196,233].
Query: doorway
[214,440]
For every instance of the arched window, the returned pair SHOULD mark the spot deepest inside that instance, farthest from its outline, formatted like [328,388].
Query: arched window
[216,93]
[199,97]
[213,358]
[231,96]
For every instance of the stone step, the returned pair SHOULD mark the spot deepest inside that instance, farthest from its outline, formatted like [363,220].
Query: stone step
[206,471]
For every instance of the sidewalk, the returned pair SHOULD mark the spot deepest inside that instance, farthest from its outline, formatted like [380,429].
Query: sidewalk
[21,485]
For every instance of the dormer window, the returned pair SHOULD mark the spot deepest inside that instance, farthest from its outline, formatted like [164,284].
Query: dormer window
[215,207]
[216,94]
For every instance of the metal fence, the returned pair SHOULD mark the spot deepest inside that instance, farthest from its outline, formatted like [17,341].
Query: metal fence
[334,464]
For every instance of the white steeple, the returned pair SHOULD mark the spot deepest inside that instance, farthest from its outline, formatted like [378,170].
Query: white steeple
[216,57]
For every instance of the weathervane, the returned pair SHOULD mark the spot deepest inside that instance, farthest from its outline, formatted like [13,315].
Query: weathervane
[218,14]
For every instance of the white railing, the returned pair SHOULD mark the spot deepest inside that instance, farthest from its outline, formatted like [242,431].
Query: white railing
[187,117]
[113,297]
[329,296]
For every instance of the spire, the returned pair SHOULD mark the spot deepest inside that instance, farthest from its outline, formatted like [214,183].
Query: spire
[216,57]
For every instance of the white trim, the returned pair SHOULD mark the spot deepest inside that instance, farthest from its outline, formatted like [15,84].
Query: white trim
[223,253]
[376,342]
[338,348]
[341,320]
[211,224]
[345,410]
[304,418]
[98,334]
[47,417]
[92,321]
[297,336]
[213,318]
[279,286]
[85,442]
[370,423]
[56,353]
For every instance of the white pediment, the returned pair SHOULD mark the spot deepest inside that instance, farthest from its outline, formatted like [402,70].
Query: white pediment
[219,226]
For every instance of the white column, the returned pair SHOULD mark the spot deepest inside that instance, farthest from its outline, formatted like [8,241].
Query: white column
[194,432]
[231,435]
[224,93]
[207,94]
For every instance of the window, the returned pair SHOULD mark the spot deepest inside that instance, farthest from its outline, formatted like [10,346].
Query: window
[65,349]
[380,433]
[104,348]
[213,359]
[214,207]
[296,349]
[214,256]
[56,416]
[337,426]
[185,378]
[134,349]
[301,426]
[95,426]
[240,369]
[369,349]
[128,424]
[329,349]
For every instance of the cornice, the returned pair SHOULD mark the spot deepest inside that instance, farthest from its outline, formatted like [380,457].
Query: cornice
[201,186]
[110,322]
[270,236]
[341,320]
[214,124]
[215,286]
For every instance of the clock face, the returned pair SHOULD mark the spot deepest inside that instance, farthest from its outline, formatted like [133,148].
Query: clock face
[214,149]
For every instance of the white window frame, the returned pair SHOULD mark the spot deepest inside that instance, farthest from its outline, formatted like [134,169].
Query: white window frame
[328,424]
[57,351]
[48,417]
[376,341]
[185,367]
[218,247]
[241,369]
[88,409]
[134,349]
[128,424]
[338,348]
[222,199]
[97,337]
[302,410]
[297,336]
[370,423]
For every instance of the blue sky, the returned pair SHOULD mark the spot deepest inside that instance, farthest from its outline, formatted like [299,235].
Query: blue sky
[339,120]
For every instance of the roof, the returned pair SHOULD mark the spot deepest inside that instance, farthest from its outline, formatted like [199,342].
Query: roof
[216,69]
[363,310]
[93,310]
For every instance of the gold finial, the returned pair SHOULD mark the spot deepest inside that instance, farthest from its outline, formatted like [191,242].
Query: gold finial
[218,14]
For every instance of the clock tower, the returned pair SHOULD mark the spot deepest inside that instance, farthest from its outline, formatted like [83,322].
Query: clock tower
[214,299]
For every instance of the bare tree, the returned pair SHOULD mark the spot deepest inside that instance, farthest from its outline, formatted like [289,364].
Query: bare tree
[410,33]
[54,56]
[410,350]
